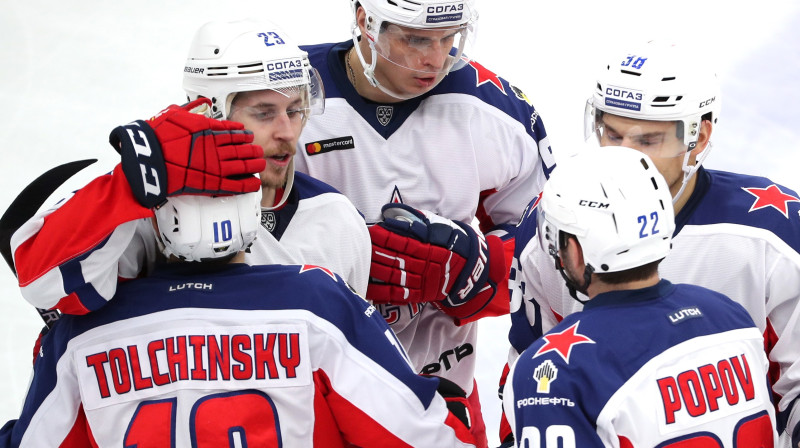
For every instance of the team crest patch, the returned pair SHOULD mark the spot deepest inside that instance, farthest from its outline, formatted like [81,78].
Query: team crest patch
[333,144]
[545,374]
[268,221]
[384,114]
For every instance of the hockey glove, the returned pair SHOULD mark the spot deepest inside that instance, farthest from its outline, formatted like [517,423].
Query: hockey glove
[182,151]
[456,400]
[421,257]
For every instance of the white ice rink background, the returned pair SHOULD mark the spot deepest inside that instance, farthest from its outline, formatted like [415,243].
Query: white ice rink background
[71,71]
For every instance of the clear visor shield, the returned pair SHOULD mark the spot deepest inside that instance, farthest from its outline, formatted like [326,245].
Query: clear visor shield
[303,100]
[431,51]
[657,139]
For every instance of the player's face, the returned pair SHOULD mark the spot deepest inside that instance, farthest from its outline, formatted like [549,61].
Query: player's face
[657,139]
[412,61]
[275,120]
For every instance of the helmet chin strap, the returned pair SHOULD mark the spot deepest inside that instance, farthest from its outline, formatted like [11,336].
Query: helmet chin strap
[690,170]
[369,69]
[573,286]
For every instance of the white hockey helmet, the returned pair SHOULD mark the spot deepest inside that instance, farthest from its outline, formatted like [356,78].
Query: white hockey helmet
[658,81]
[615,202]
[385,20]
[201,228]
[230,57]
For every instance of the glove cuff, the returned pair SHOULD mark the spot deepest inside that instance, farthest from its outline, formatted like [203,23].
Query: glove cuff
[142,162]
[495,272]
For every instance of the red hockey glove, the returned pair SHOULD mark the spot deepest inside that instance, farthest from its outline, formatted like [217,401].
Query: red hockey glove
[181,151]
[421,257]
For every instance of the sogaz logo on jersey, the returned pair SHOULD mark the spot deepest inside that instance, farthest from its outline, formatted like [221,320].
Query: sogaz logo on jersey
[623,98]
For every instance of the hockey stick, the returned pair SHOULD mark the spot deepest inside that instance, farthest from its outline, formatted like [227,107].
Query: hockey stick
[26,204]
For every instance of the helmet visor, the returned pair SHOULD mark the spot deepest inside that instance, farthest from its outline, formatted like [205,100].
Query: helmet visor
[430,51]
[657,139]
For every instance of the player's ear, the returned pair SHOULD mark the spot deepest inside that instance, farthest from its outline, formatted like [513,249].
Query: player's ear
[361,19]
[573,253]
[705,136]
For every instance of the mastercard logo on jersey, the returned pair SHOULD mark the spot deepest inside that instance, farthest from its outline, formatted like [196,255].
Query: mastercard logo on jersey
[333,144]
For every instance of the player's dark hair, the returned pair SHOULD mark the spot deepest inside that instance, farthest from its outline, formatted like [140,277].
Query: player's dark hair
[642,272]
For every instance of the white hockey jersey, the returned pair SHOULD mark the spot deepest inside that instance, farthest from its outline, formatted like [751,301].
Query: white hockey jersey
[738,235]
[472,146]
[71,257]
[234,355]
[666,366]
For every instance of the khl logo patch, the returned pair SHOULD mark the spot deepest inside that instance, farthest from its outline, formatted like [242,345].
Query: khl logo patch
[268,221]
[384,114]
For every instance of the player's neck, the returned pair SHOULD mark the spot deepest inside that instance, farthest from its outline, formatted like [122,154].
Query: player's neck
[238,258]
[598,287]
[687,193]
[268,196]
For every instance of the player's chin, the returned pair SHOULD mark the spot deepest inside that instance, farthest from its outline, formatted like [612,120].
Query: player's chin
[274,177]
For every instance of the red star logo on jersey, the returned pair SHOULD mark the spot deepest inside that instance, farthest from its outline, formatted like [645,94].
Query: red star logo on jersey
[771,196]
[563,342]
[484,76]
[311,267]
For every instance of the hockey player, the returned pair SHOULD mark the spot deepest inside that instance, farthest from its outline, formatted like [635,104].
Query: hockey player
[70,258]
[416,131]
[735,234]
[647,362]
[219,353]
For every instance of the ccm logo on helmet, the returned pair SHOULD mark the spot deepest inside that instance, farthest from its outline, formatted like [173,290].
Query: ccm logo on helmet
[445,8]
[592,204]
[708,102]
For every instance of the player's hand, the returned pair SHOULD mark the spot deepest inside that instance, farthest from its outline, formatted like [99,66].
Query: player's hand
[421,257]
[182,151]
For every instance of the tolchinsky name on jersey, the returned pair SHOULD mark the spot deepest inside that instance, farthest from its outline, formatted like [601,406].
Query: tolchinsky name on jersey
[149,366]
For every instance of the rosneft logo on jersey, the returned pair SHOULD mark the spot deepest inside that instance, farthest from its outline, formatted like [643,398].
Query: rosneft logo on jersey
[333,144]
